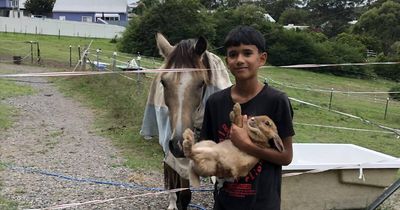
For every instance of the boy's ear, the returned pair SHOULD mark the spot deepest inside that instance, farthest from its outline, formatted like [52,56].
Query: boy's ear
[263,58]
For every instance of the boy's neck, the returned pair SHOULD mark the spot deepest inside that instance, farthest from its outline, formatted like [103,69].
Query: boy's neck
[243,91]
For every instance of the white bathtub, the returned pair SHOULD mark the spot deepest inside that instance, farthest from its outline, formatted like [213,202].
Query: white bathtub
[352,177]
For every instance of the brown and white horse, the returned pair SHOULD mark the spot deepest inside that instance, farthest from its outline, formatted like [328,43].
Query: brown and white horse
[176,102]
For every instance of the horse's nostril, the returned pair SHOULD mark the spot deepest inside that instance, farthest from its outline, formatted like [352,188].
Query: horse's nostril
[175,147]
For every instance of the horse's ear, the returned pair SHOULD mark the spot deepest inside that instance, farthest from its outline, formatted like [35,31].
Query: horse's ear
[201,46]
[164,47]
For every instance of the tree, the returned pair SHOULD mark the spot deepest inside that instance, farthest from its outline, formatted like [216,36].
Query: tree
[381,24]
[183,19]
[332,16]
[149,3]
[294,16]
[378,3]
[227,19]
[276,7]
[39,7]
[210,4]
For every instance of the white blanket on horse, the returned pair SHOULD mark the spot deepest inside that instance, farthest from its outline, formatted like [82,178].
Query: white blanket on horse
[156,117]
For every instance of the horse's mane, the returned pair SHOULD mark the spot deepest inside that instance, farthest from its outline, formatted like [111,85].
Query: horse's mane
[184,56]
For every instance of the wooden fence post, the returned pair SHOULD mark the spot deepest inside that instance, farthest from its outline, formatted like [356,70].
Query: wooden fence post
[114,60]
[386,108]
[330,100]
[31,51]
[70,56]
[38,52]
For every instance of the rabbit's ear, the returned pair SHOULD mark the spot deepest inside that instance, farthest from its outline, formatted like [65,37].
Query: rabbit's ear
[278,143]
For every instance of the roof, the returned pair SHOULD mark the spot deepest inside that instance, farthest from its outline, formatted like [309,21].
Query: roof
[292,26]
[269,18]
[114,6]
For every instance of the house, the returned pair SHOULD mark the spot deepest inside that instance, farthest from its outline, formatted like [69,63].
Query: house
[295,27]
[132,4]
[98,11]
[269,18]
[12,8]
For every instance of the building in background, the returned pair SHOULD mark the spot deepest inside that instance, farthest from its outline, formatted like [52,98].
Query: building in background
[98,11]
[12,8]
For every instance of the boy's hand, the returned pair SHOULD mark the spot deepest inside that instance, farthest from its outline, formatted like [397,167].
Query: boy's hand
[239,136]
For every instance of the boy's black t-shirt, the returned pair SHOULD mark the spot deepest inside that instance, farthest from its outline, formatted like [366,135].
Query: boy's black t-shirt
[261,188]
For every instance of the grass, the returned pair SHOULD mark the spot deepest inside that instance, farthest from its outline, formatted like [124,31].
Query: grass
[56,51]
[9,89]
[366,106]
[119,103]
[6,204]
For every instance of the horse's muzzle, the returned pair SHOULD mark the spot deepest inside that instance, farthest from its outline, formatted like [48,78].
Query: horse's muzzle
[175,146]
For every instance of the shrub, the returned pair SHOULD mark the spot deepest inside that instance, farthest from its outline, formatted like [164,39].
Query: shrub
[395,96]
[390,72]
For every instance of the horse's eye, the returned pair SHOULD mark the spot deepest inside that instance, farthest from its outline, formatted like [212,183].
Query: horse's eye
[163,83]
[201,84]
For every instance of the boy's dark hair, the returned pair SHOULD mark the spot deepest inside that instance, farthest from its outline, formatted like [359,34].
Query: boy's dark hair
[245,35]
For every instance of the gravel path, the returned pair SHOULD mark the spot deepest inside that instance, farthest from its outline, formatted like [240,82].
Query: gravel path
[53,134]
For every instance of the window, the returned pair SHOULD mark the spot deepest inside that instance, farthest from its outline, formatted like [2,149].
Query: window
[14,3]
[87,19]
[107,16]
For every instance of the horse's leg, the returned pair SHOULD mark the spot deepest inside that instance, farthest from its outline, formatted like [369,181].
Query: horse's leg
[172,198]
[184,196]
[169,184]
[172,180]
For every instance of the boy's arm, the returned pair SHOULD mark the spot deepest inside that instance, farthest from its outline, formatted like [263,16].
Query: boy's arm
[241,139]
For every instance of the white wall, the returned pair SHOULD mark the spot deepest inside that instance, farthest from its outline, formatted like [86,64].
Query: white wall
[59,27]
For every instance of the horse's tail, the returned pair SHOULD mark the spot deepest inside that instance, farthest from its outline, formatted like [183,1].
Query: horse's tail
[188,142]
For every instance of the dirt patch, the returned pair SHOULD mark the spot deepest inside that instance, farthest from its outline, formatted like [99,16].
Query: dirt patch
[54,156]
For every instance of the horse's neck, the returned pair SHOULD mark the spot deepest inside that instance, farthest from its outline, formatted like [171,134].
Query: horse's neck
[219,73]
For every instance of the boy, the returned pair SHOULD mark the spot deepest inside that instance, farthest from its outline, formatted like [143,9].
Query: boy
[261,188]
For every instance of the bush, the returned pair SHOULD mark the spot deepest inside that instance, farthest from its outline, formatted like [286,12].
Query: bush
[390,72]
[293,47]
[395,96]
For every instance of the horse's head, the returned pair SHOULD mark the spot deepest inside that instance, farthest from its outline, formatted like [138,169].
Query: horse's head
[183,90]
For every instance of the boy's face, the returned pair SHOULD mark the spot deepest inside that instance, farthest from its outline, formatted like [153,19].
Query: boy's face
[244,60]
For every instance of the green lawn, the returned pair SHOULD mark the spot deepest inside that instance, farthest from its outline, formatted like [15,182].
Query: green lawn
[120,103]
[56,51]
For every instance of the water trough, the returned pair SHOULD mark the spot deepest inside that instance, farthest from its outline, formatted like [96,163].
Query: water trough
[350,176]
